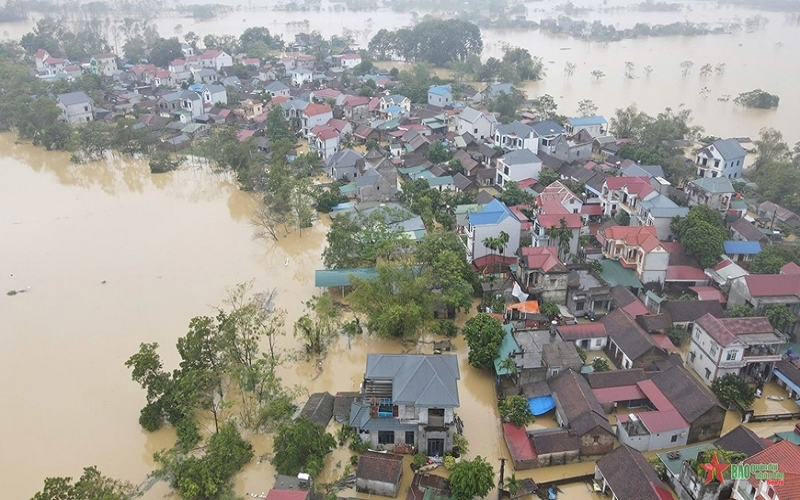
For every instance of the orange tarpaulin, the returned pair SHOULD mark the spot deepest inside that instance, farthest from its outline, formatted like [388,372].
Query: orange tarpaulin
[529,307]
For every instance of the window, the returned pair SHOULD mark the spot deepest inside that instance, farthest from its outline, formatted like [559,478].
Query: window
[674,438]
[598,342]
[596,438]
[731,356]
[505,170]
[580,305]
[475,130]
[708,374]
[385,437]
[713,350]
[410,438]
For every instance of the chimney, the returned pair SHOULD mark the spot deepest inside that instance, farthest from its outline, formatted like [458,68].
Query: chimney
[553,325]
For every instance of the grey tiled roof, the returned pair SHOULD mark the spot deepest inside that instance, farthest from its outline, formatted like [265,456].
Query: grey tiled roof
[419,380]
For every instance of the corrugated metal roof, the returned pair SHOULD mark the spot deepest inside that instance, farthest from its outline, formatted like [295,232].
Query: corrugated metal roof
[733,247]
[508,346]
[341,277]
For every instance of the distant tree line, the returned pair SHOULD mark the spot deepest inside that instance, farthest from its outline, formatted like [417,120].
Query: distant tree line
[435,41]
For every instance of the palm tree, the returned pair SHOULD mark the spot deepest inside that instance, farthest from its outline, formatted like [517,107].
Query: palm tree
[512,485]
[510,367]
[502,241]
[492,244]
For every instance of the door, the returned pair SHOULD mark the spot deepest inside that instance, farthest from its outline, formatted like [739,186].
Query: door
[435,447]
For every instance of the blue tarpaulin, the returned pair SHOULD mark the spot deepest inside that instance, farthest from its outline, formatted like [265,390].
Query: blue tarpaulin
[541,405]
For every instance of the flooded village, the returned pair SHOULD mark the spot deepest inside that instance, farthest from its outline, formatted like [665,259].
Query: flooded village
[401,279]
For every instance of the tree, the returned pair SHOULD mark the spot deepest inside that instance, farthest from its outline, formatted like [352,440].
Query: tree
[771,259]
[92,485]
[623,218]
[587,107]
[506,105]
[706,69]
[563,237]
[677,335]
[362,241]
[628,122]
[372,143]
[513,485]
[569,69]
[549,308]
[277,127]
[547,177]
[483,334]
[301,446]
[210,475]
[648,70]
[600,365]
[770,147]
[319,325]
[686,67]
[438,153]
[701,233]
[757,99]
[512,195]
[780,317]
[630,70]
[397,302]
[597,74]
[741,311]
[730,389]
[527,67]
[516,410]
[545,106]
[165,50]
[471,478]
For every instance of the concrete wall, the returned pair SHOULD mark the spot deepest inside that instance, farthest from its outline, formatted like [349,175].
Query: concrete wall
[706,426]
[377,487]
[597,441]
[561,458]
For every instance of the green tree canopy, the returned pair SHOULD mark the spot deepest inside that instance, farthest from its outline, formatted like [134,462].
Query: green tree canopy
[516,410]
[731,388]
[365,240]
[771,259]
[471,478]
[741,311]
[397,303]
[780,317]
[435,41]
[701,234]
[210,475]
[301,446]
[92,485]
[484,334]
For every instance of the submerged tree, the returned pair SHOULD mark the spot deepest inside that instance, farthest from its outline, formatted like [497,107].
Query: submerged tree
[686,67]
[92,485]
[587,107]
[630,70]
[597,74]
[569,69]
[301,446]
[320,325]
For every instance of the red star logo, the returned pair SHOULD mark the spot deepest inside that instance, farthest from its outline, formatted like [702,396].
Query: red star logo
[714,469]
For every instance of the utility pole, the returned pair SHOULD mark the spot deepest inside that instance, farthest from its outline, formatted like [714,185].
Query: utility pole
[501,481]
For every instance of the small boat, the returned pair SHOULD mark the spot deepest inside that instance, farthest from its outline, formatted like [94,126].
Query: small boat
[775,398]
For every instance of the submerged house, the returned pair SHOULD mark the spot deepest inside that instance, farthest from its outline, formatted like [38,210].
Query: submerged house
[408,399]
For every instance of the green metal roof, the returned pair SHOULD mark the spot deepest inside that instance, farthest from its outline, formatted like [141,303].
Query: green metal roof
[614,274]
[411,170]
[472,207]
[655,298]
[341,277]
[508,346]
[790,436]
[440,181]
[390,125]
[347,188]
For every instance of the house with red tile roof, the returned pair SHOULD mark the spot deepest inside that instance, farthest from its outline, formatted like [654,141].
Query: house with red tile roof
[748,347]
[588,336]
[787,458]
[637,248]
[763,290]
[356,107]
[216,59]
[560,193]
[313,115]
[550,215]
[542,273]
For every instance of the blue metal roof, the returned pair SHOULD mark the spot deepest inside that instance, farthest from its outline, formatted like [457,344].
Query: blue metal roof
[587,121]
[393,109]
[493,212]
[741,247]
[439,90]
